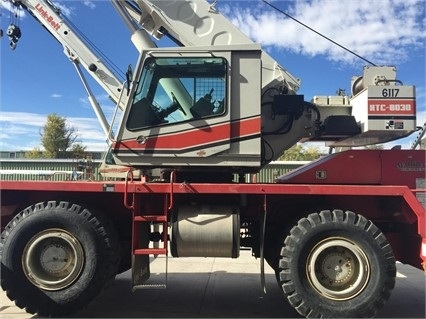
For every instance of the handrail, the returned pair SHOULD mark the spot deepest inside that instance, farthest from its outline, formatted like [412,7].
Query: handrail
[129,174]
[172,180]
[110,136]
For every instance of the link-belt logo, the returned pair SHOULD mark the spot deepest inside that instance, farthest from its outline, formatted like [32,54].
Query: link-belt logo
[46,16]
[411,166]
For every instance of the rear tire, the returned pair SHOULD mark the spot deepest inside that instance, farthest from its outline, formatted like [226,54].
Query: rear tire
[337,264]
[56,257]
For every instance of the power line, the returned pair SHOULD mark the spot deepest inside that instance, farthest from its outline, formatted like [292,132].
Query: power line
[318,33]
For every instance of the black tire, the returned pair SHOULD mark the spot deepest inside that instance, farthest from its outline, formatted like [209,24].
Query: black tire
[337,264]
[56,257]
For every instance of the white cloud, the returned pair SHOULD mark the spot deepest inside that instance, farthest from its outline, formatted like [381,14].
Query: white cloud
[384,31]
[66,10]
[88,128]
[96,146]
[90,4]
[27,119]
[107,106]
[25,146]
[56,95]
[11,8]
[21,131]
[64,7]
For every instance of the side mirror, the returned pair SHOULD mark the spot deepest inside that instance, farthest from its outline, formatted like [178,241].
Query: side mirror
[129,78]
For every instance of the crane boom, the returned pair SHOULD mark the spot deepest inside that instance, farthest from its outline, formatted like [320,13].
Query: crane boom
[77,50]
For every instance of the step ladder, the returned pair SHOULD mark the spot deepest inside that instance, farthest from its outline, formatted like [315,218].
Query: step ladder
[148,254]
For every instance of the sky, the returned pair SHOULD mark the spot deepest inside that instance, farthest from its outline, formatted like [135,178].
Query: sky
[37,79]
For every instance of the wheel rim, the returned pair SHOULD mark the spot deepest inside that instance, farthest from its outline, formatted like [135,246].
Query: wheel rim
[53,259]
[338,268]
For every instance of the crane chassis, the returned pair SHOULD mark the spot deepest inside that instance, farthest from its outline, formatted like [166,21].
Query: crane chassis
[76,236]
[193,117]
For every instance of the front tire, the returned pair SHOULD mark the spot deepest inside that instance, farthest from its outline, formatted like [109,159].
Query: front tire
[56,257]
[337,264]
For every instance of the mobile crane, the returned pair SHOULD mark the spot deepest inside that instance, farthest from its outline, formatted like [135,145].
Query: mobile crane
[194,116]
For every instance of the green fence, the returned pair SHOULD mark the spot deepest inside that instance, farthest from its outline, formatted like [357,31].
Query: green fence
[48,169]
[67,169]
[274,170]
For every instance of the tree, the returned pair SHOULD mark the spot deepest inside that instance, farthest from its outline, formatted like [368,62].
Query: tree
[78,150]
[300,152]
[57,137]
[34,153]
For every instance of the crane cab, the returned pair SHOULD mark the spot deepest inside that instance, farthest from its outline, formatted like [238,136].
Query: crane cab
[204,109]
[193,107]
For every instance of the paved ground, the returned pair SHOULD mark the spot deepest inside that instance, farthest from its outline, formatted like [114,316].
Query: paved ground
[218,288]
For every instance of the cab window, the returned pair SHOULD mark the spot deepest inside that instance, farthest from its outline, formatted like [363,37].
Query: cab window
[173,90]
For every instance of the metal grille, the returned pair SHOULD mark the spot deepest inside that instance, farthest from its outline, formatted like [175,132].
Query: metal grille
[204,86]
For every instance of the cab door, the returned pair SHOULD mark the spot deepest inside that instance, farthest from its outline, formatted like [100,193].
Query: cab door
[178,112]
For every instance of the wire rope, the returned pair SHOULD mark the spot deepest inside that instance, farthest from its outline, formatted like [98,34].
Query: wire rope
[318,33]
